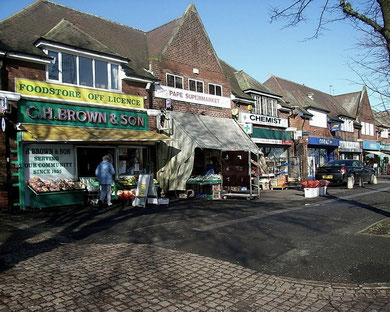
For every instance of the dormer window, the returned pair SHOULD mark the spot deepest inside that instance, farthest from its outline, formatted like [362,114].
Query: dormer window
[83,71]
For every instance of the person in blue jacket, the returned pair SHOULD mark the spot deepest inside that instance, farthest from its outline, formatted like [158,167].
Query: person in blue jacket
[104,173]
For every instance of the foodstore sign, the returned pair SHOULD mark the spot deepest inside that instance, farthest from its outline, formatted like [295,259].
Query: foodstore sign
[264,120]
[70,115]
[49,161]
[40,89]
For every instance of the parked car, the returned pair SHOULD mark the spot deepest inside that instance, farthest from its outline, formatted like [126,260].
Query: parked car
[340,170]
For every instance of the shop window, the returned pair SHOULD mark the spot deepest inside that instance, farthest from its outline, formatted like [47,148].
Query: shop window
[174,81]
[215,89]
[83,71]
[133,160]
[195,85]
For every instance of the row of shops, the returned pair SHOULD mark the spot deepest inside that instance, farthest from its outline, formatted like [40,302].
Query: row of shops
[65,143]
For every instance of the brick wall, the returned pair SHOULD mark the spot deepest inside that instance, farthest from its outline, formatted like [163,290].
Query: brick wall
[189,49]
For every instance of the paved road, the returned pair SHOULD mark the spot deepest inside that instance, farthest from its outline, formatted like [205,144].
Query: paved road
[201,256]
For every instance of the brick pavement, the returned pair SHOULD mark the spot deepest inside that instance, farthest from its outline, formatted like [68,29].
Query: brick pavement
[49,275]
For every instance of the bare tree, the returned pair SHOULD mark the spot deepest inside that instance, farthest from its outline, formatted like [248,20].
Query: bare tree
[370,17]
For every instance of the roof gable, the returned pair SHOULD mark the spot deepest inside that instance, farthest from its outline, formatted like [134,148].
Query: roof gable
[186,41]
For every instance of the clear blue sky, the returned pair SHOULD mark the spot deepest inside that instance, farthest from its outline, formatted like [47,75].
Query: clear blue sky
[242,36]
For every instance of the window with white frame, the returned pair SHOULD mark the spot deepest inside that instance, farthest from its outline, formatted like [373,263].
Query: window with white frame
[83,71]
[265,105]
[215,89]
[174,81]
[385,133]
[195,85]
[347,124]
[367,128]
[319,119]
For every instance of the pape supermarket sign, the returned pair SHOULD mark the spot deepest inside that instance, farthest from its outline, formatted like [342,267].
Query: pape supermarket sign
[71,115]
[192,97]
[38,89]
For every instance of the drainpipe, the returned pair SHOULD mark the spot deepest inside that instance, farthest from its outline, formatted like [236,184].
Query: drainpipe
[4,86]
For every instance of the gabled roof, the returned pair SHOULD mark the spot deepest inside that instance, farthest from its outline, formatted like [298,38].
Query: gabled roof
[306,97]
[158,38]
[19,32]
[67,33]
[229,72]
[247,82]
[171,37]
[350,102]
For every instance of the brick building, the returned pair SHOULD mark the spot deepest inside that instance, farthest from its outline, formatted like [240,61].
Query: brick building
[78,87]
[85,86]
[329,127]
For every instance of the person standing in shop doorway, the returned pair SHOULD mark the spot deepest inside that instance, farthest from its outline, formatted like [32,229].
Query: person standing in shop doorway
[104,173]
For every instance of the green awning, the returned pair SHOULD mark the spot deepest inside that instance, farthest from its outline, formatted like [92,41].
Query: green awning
[262,133]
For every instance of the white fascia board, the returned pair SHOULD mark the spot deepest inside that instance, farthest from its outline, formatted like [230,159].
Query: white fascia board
[29,58]
[13,96]
[263,93]
[80,52]
[234,98]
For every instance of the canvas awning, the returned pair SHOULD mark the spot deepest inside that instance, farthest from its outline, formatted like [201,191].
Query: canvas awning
[380,154]
[176,158]
[214,133]
[48,133]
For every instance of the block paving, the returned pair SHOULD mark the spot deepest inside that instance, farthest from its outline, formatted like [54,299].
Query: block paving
[47,275]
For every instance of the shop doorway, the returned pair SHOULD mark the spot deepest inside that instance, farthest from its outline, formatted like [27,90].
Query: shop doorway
[88,158]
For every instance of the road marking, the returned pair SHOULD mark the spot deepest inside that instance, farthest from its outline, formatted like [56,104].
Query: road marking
[280,211]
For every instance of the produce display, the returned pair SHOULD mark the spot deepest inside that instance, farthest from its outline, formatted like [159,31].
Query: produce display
[127,180]
[126,194]
[204,179]
[40,186]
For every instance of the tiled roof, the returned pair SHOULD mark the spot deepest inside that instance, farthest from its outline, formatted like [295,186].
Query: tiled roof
[306,97]
[350,102]
[229,72]
[158,38]
[19,32]
[247,82]
[67,33]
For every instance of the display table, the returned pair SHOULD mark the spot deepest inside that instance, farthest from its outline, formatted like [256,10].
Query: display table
[211,188]
[58,198]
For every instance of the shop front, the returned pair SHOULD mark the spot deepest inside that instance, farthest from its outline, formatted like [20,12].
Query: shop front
[319,152]
[60,146]
[206,155]
[385,164]
[350,150]
[274,143]
[372,154]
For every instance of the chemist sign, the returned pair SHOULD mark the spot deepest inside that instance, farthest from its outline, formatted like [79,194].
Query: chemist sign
[49,161]
[264,120]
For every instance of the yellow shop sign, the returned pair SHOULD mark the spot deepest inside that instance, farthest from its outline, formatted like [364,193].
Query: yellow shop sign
[70,93]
